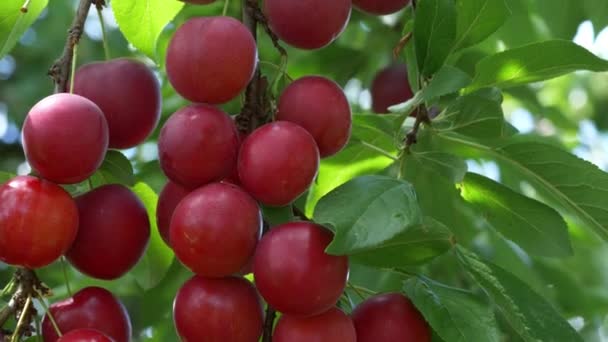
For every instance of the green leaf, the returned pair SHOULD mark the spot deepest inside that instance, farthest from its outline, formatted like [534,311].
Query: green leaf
[382,124]
[142,21]
[446,165]
[530,315]
[447,80]
[478,19]
[417,245]
[5,176]
[561,17]
[433,175]
[434,33]
[597,11]
[277,215]
[379,209]
[155,263]
[14,23]
[115,169]
[473,115]
[532,63]
[371,149]
[456,315]
[574,185]
[536,227]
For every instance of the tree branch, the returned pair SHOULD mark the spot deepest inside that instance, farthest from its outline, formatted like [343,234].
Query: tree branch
[28,287]
[422,116]
[60,70]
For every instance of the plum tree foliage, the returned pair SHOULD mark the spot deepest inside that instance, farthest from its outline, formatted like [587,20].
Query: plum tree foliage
[303,171]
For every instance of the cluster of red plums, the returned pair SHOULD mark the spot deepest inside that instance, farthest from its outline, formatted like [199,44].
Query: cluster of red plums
[209,211]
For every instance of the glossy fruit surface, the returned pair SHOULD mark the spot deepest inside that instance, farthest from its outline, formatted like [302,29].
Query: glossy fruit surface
[390,87]
[390,317]
[214,230]
[50,131]
[380,7]
[330,326]
[307,24]
[92,308]
[38,222]
[128,94]
[218,310]
[320,106]
[85,335]
[113,232]
[168,200]
[211,59]
[278,162]
[198,145]
[293,272]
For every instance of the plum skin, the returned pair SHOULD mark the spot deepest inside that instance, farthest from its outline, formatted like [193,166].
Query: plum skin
[128,94]
[112,218]
[218,309]
[319,105]
[198,145]
[278,162]
[50,130]
[38,222]
[215,229]
[218,67]
[308,24]
[91,307]
[290,253]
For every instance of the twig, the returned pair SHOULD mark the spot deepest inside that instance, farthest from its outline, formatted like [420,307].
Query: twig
[28,287]
[60,70]
[256,13]
[401,44]
[268,324]
[422,116]
[257,107]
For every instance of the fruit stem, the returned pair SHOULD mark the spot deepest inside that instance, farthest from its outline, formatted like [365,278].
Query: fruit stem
[226,5]
[25,312]
[73,67]
[48,312]
[60,70]
[64,268]
[23,8]
[104,36]
[268,324]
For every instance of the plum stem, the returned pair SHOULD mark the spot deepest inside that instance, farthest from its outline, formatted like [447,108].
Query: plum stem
[47,311]
[24,317]
[64,268]
[60,70]
[73,67]
[23,8]
[28,287]
[104,36]
[226,5]
[268,324]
